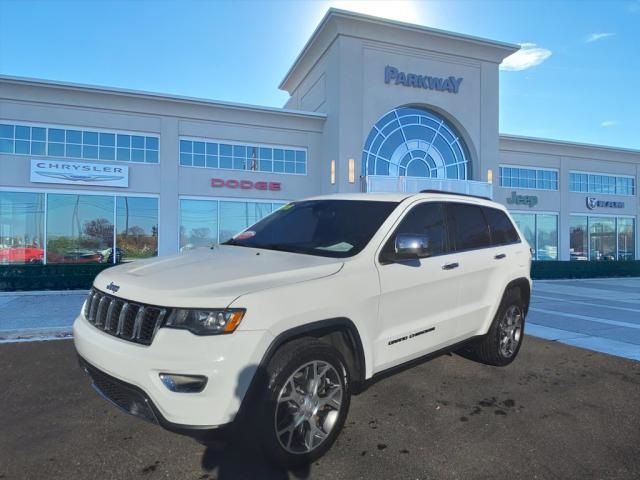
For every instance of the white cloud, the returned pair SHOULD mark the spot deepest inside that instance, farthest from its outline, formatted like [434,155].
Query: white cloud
[594,37]
[528,56]
[608,123]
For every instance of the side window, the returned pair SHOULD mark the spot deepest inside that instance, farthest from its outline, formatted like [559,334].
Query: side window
[468,228]
[502,230]
[424,219]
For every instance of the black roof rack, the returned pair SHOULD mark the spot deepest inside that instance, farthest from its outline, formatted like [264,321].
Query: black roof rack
[454,193]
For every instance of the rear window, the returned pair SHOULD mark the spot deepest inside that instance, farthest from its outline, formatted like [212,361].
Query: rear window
[467,227]
[500,227]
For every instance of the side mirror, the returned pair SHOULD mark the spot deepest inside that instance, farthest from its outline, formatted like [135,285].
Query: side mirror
[410,245]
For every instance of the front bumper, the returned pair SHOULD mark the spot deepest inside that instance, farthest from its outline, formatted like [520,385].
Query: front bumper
[127,373]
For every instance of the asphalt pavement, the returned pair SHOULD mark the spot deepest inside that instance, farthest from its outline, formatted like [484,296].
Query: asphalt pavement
[558,412]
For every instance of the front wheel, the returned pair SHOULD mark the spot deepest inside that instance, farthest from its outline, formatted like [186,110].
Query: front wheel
[306,402]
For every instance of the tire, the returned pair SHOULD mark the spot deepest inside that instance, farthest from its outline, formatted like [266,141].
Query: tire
[298,426]
[501,344]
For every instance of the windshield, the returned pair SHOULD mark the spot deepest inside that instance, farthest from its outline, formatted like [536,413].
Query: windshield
[328,228]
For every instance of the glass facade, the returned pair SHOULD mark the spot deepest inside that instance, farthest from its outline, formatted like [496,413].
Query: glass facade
[601,238]
[260,158]
[541,232]
[415,142]
[73,228]
[78,143]
[534,178]
[207,222]
[603,184]
[21,227]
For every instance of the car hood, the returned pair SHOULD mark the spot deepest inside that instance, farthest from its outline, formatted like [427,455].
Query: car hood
[211,278]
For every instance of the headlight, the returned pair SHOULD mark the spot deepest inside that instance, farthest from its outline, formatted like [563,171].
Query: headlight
[206,322]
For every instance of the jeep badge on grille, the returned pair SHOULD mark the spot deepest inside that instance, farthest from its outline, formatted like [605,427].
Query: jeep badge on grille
[113,287]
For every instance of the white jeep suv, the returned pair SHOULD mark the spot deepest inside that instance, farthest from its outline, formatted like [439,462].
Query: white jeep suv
[282,323]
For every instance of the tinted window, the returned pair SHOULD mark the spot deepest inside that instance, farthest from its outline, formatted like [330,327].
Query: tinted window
[424,219]
[467,226]
[330,228]
[502,230]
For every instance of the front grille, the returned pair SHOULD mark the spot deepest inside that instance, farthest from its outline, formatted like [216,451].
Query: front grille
[127,320]
[125,396]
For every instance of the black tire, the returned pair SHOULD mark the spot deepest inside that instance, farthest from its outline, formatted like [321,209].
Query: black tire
[287,361]
[489,348]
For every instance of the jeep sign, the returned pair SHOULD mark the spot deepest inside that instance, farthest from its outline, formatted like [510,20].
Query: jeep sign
[528,200]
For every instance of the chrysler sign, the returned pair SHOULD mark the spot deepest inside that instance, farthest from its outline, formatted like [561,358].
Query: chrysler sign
[448,84]
[74,173]
[245,184]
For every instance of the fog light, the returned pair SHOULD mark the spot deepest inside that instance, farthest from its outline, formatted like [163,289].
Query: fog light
[183,383]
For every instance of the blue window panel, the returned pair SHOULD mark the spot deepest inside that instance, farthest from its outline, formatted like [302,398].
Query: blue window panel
[186,146]
[6,145]
[123,154]
[240,151]
[151,156]
[226,162]
[74,151]
[151,143]
[238,163]
[39,134]
[226,150]
[301,168]
[124,141]
[56,135]
[90,151]
[74,136]
[137,141]
[23,133]
[266,165]
[278,166]
[186,159]
[212,161]
[6,130]
[198,147]
[38,148]
[198,160]
[289,167]
[90,138]
[56,149]
[107,153]
[301,156]
[212,149]
[278,154]
[108,139]
[266,153]
[289,155]
[22,146]
[137,155]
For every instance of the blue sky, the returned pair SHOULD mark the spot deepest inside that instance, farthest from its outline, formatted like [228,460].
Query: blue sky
[577,80]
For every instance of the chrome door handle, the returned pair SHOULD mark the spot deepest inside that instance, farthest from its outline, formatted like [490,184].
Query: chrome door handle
[500,256]
[450,266]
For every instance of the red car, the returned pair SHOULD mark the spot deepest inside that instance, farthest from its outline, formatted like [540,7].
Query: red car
[26,254]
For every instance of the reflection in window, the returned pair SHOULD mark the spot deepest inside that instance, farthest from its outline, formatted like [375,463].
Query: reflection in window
[541,232]
[207,222]
[79,228]
[578,238]
[602,238]
[626,239]
[136,229]
[414,142]
[21,227]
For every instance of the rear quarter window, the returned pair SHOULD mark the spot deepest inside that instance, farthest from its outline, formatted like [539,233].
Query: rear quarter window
[501,229]
[467,226]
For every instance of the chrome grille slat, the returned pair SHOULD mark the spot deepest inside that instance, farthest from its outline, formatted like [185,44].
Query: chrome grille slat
[120,318]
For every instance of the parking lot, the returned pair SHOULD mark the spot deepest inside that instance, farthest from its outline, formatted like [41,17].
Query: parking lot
[557,412]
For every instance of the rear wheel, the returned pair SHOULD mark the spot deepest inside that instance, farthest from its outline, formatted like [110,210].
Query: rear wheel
[306,402]
[501,344]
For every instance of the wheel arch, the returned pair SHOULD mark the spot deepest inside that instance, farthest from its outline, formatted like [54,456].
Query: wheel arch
[524,286]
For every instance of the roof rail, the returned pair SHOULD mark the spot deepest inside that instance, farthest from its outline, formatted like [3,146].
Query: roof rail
[455,193]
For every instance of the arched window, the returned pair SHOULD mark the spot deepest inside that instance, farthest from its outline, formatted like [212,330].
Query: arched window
[415,142]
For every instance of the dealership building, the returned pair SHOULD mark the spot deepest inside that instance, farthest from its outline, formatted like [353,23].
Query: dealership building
[94,174]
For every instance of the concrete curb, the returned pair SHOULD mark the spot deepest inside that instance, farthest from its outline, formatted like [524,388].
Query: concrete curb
[35,334]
